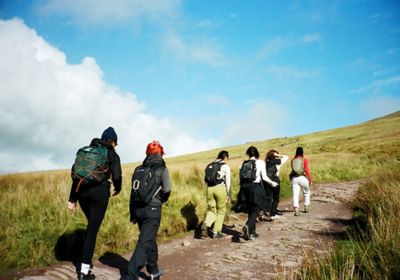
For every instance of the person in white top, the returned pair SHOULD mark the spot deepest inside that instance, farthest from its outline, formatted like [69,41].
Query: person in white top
[217,197]
[273,162]
[253,193]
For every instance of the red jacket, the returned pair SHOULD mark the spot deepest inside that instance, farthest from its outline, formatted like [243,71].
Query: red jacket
[306,168]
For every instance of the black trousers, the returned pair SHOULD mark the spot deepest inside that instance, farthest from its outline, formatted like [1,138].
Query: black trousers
[94,202]
[146,251]
[269,194]
[275,199]
[254,209]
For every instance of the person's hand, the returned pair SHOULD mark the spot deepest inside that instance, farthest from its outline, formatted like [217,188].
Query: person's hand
[115,193]
[133,221]
[275,184]
[71,205]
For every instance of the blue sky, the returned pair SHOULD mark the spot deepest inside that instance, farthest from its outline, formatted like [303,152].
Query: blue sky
[205,74]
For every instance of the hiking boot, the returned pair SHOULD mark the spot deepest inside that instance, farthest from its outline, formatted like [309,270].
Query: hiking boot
[279,213]
[204,232]
[267,217]
[156,276]
[245,232]
[89,276]
[307,208]
[217,235]
[260,216]
[274,217]
[253,236]
[296,212]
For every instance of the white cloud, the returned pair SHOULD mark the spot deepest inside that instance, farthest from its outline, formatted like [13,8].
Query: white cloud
[273,46]
[49,108]
[290,72]
[380,85]
[311,38]
[204,51]
[105,11]
[261,120]
[378,106]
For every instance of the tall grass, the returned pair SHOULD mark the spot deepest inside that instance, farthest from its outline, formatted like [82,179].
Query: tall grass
[372,250]
[33,213]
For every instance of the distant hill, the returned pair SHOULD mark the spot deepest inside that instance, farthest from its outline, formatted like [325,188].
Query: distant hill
[33,209]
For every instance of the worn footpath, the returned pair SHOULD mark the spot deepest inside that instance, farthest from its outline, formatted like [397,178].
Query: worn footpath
[276,254]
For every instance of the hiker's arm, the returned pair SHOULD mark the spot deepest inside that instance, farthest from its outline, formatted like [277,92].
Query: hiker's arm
[264,176]
[307,170]
[73,195]
[284,159]
[116,173]
[227,179]
[166,186]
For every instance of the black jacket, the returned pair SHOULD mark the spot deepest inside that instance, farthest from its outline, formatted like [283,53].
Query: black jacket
[114,171]
[162,179]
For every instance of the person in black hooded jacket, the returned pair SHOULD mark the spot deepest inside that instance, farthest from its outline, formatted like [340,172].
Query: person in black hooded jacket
[93,199]
[148,217]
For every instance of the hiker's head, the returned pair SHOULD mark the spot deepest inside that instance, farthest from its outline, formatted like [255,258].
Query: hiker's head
[299,151]
[272,154]
[252,152]
[223,155]
[155,148]
[109,135]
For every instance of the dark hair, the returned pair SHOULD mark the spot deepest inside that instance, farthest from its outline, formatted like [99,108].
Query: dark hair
[223,154]
[299,151]
[253,152]
[271,154]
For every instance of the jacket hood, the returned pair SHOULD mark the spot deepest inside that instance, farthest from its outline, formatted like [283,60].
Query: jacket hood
[154,160]
[97,141]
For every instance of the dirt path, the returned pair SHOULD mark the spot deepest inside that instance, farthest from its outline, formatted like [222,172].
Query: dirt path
[276,253]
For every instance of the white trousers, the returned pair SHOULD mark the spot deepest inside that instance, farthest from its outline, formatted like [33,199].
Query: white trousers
[299,183]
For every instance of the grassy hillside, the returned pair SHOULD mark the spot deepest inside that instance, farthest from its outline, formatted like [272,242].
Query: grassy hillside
[33,214]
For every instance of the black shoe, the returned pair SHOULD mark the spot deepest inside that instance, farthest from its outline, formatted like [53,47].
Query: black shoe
[89,276]
[245,232]
[217,235]
[156,276]
[204,232]
[279,213]
[253,236]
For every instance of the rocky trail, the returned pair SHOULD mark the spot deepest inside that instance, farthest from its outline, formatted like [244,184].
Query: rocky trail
[277,253]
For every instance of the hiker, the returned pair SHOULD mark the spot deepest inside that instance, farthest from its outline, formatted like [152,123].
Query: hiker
[218,179]
[146,211]
[252,174]
[93,195]
[300,178]
[273,163]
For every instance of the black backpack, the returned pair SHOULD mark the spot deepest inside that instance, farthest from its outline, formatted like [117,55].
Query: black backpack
[247,173]
[271,169]
[212,175]
[144,184]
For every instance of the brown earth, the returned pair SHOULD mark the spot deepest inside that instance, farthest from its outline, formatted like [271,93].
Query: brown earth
[276,254]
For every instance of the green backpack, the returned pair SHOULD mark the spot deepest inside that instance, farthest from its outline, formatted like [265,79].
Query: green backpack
[298,166]
[91,165]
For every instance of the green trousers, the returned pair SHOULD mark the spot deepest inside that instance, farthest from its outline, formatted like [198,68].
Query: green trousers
[216,201]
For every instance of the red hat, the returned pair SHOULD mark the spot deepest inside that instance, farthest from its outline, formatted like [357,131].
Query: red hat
[155,148]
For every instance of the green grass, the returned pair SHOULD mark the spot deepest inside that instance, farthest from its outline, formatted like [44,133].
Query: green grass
[372,249]
[33,212]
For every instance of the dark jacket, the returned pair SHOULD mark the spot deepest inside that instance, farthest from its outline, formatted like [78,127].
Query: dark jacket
[114,171]
[252,193]
[162,180]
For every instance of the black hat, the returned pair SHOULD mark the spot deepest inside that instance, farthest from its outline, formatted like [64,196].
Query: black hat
[109,134]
